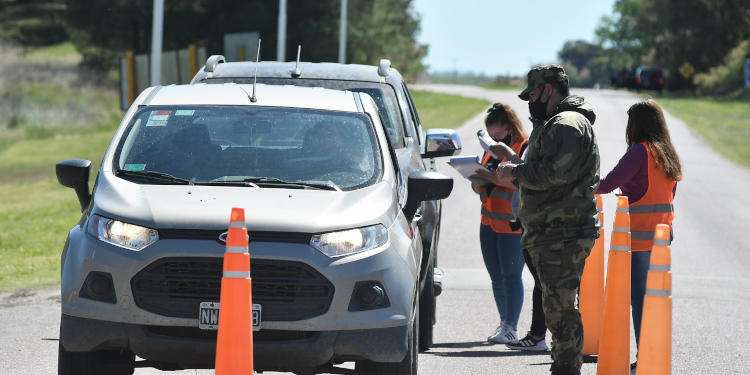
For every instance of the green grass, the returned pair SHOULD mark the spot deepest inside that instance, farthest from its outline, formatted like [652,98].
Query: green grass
[35,211]
[725,125]
[503,86]
[446,111]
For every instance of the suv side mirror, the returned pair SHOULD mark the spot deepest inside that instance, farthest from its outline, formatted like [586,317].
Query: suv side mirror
[441,142]
[74,173]
[426,186]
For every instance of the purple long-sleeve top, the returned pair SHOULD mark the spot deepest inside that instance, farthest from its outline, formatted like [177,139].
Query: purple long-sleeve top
[630,175]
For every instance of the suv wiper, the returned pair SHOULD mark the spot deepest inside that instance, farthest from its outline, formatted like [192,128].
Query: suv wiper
[276,181]
[226,183]
[152,176]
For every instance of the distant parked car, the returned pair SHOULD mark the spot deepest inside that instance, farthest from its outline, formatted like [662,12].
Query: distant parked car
[624,78]
[650,78]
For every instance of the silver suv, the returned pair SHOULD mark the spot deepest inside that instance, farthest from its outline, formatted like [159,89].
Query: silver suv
[334,241]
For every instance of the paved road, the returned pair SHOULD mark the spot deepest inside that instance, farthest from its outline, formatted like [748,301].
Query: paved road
[710,259]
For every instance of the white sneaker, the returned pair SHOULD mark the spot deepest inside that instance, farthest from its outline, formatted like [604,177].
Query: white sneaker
[529,343]
[503,335]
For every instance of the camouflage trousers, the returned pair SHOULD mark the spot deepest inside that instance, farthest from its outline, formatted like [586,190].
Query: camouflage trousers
[560,266]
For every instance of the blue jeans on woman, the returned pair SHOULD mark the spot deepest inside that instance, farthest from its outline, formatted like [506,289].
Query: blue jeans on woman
[640,263]
[504,261]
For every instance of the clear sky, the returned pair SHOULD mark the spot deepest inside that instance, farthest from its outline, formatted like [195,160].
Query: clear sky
[503,36]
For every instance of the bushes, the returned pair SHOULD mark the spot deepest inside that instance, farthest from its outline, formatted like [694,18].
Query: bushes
[726,79]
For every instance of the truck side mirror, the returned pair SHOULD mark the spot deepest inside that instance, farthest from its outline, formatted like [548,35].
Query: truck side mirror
[441,142]
[425,186]
[74,173]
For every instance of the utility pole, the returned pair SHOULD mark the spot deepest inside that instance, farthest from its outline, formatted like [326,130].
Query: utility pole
[281,41]
[156,38]
[342,33]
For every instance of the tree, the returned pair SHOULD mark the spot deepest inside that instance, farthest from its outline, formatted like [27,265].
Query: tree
[669,33]
[105,29]
[32,22]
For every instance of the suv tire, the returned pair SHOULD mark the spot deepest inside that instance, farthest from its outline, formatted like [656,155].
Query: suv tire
[110,362]
[427,307]
[407,366]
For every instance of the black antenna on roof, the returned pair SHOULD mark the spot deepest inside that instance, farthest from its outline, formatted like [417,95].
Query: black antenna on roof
[297,72]
[255,76]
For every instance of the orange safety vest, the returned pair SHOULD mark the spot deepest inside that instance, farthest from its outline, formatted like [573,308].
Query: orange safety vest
[655,207]
[496,206]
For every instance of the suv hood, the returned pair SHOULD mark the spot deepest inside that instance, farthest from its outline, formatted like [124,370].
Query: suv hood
[266,209]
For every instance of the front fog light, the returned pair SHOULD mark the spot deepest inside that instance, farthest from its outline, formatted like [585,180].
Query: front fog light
[129,236]
[350,241]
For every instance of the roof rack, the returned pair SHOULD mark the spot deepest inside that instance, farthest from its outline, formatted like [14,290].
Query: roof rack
[213,61]
[384,68]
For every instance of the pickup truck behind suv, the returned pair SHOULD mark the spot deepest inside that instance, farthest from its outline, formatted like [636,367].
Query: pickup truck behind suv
[402,124]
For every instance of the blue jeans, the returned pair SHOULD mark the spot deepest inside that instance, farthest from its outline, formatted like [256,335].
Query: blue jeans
[640,261]
[504,261]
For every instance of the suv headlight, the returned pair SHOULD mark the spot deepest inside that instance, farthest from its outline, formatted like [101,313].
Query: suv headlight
[350,241]
[129,236]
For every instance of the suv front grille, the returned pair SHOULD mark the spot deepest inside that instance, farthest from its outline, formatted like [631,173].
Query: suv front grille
[286,290]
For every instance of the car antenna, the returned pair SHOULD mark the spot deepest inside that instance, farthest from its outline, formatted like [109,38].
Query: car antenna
[255,76]
[297,72]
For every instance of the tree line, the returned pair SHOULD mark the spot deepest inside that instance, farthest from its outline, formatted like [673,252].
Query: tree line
[103,30]
[702,43]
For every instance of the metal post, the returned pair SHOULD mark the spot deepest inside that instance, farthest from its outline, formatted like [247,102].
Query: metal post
[156,38]
[281,42]
[342,33]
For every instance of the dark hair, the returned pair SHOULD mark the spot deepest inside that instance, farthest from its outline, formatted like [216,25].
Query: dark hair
[501,113]
[646,124]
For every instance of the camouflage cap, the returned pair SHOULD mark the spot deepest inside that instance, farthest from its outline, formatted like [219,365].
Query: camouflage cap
[540,75]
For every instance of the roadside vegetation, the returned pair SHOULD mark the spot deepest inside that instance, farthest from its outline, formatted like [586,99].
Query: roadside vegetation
[446,111]
[724,124]
[48,113]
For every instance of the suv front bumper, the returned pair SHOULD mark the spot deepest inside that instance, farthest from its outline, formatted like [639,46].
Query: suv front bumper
[184,347]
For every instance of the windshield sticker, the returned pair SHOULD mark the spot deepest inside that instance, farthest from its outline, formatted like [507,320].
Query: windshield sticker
[158,118]
[135,167]
[184,112]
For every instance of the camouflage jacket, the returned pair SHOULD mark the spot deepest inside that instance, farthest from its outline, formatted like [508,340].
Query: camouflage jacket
[559,177]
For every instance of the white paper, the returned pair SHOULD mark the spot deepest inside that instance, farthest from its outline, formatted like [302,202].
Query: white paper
[467,165]
[486,141]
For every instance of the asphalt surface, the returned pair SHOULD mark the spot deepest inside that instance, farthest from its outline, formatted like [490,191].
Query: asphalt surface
[710,259]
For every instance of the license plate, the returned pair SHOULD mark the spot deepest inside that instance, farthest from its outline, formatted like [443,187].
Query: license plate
[208,316]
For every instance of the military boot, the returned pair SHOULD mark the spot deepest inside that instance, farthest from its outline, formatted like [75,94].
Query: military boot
[565,370]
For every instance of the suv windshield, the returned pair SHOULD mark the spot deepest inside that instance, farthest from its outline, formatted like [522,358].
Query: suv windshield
[264,146]
[383,94]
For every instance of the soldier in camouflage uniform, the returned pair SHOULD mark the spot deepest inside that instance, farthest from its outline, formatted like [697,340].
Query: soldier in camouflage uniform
[557,207]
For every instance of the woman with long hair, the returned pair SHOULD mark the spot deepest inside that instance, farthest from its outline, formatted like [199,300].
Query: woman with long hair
[499,236]
[647,174]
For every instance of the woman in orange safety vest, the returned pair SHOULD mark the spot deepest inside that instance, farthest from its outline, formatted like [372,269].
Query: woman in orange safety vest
[647,174]
[499,237]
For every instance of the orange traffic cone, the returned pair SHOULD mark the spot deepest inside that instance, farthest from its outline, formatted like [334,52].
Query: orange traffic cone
[591,299]
[234,343]
[614,347]
[655,352]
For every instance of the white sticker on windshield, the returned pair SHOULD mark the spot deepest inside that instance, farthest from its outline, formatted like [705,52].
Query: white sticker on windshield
[158,118]
[184,112]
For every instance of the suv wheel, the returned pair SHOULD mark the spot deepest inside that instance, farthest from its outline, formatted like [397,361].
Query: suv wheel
[408,366]
[110,362]
[427,307]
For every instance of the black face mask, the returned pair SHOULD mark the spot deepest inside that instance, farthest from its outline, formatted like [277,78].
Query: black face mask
[538,109]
